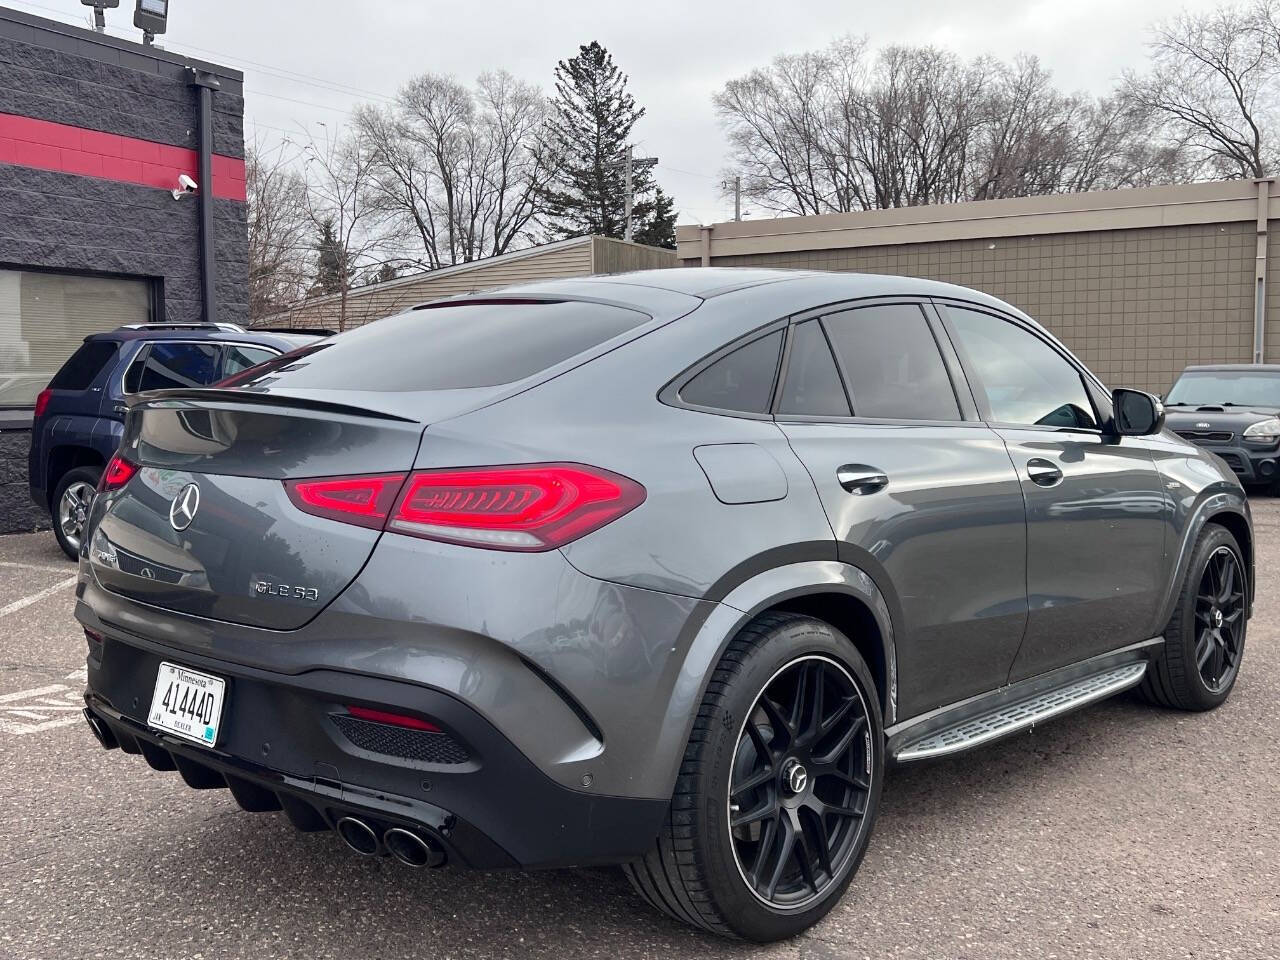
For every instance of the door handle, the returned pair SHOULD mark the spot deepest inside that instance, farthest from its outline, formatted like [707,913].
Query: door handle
[1043,473]
[858,478]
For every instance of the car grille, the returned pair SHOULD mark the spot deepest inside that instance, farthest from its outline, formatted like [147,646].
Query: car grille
[1206,436]
[1232,461]
[420,745]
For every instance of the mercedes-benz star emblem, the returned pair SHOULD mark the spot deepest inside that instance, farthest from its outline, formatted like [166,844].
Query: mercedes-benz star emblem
[183,509]
[795,775]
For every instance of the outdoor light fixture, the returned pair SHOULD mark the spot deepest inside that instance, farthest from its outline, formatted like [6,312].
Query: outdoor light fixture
[151,16]
[99,19]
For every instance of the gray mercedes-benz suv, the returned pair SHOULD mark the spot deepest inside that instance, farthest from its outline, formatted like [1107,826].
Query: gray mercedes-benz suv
[658,569]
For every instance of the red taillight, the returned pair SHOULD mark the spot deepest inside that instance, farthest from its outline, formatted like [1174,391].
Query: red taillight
[42,402]
[119,471]
[365,500]
[534,507]
[394,719]
[530,507]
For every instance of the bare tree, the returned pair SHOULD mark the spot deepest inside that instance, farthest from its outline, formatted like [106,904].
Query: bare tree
[457,172]
[843,129]
[339,205]
[790,128]
[278,230]
[1212,83]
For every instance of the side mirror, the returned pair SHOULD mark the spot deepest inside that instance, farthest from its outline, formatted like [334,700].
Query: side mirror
[1136,414]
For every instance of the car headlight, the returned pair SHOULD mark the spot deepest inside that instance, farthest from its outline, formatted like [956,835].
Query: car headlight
[1264,430]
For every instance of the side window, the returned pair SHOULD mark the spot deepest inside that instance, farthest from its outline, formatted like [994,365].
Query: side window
[163,366]
[238,359]
[742,380]
[1026,380]
[892,364]
[84,366]
[812,386]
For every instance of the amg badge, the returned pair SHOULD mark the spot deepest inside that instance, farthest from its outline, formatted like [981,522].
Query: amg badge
[284,590]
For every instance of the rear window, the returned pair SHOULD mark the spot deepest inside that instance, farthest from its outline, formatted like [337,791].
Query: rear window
[450,347]
[83,367]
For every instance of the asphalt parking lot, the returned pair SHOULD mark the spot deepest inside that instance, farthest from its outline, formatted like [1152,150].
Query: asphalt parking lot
[1122,831]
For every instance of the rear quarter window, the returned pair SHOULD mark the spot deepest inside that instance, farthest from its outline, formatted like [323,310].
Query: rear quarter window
[83,366]
[450,347]
[741,381]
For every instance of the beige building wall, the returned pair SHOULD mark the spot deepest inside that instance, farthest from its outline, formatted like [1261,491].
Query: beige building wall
[576,257]
[1137,303]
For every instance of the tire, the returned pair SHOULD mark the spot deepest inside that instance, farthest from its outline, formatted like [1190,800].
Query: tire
[1177,678]
[695,871]
[72,489]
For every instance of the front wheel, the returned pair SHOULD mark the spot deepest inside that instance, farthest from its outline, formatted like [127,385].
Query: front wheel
[1204,641]
[70,509]
[779,788]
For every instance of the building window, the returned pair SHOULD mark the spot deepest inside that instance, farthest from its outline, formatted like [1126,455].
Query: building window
[45,316]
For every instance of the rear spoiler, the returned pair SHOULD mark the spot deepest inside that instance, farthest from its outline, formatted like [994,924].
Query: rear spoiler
[182,396]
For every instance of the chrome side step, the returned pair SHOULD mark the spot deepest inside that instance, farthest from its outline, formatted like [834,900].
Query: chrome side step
[1023,713]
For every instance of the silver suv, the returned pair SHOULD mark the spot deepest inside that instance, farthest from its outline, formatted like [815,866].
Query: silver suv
[657,569]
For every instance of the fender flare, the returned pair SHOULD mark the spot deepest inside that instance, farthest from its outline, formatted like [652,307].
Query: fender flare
[742,604]
[1214,503]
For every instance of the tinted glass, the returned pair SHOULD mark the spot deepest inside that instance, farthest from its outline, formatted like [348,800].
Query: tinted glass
[453,347]
[1026,380]
[237,359]
[741,380]
[892,363]
[812,386]
[163,366]
[1239,388]
[84,366]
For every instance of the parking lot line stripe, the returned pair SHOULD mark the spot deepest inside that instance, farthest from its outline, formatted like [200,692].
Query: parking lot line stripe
[37,597]
[28,694]
[32,566]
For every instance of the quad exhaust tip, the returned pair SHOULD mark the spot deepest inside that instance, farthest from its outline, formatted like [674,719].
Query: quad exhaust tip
[101,732]
[413,849]
[358,835]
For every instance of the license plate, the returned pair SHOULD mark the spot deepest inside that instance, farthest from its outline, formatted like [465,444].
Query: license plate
[187,704]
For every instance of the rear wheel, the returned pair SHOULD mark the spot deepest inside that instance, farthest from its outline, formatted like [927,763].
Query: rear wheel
[1204,641]
[776,797]
[69,511]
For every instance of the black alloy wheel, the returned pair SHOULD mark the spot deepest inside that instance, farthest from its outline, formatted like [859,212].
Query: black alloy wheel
[800,782]
[1204,640]
[1219,614]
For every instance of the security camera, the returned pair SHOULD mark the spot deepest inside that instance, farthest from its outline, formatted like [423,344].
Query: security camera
[185,185]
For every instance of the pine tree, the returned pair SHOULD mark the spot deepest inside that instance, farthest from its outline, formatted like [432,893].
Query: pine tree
[655,221]
[333,269]
[589,134]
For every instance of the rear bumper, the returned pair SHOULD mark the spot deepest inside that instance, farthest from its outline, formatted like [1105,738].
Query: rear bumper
[279,747]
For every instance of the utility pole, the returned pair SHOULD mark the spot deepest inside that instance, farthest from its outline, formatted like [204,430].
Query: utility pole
[737,198]
[628,232]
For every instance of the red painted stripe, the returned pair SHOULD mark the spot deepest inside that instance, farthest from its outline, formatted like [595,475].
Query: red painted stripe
[44,145]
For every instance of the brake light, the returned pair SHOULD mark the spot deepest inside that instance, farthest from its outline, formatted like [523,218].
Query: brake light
[394,719]
[42,402]
[530,507]
[364,500]
[118,472]
[534,507]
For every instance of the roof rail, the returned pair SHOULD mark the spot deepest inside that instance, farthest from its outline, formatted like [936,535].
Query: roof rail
[227,327]
[317,331]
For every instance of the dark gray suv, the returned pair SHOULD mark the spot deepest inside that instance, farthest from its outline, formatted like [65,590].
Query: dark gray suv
[658,569]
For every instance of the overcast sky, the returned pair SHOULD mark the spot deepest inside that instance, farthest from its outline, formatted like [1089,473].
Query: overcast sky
[308,61]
